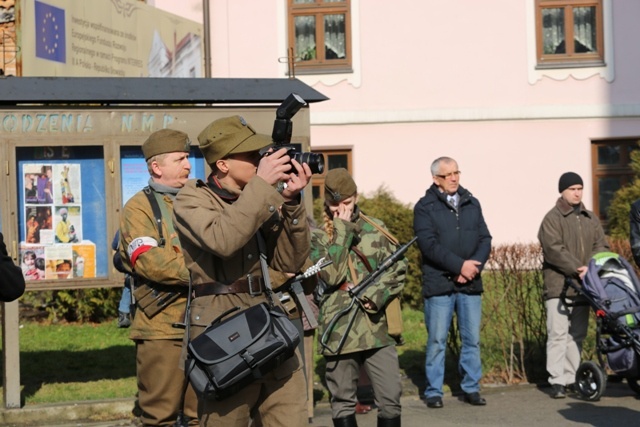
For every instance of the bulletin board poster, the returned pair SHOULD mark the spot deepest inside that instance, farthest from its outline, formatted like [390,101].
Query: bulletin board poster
[62,219]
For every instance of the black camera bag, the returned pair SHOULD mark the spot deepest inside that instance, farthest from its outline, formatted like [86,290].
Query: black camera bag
[232,353]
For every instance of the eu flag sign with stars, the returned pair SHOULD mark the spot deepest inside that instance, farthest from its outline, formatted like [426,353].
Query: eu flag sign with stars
[50,33]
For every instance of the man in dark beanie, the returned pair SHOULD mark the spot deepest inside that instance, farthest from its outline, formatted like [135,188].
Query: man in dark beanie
[570,235]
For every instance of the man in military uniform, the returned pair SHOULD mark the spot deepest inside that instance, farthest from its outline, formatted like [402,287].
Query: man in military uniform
[357,244]
[218,222]
[157,262]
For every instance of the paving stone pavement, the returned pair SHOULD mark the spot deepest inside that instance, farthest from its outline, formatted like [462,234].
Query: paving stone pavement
[514,406]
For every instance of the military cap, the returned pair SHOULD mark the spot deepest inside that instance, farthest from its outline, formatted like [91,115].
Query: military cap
[230,135]
[165,141]
[338,185]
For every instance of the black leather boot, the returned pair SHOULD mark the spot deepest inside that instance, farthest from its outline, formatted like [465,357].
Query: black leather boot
[348,421]
[389,422]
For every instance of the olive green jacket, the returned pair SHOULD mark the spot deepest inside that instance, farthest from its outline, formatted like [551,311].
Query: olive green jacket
[569,239]
[369,329]
[164,265]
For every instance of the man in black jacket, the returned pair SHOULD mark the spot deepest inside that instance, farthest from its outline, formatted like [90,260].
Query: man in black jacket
[12,282]
[455,244]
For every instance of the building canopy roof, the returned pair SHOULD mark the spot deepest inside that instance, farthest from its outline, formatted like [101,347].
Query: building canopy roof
[147,90]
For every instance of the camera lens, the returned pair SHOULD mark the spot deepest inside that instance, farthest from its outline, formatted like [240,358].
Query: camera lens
[314,160]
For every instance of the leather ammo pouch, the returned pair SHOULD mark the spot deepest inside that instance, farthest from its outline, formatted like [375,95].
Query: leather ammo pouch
[152,299]
[232,353]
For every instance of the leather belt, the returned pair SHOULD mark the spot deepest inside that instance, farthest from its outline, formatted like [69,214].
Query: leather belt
[252,285]
[346,286]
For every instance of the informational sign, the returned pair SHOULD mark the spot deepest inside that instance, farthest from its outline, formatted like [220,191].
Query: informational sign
[106,38]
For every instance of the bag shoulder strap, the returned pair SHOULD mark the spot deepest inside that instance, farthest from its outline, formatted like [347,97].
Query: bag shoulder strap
[385,232]
[155,207]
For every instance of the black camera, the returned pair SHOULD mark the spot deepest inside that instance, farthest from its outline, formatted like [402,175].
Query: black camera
[281,135]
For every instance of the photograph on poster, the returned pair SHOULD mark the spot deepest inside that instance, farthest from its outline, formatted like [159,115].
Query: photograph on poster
[68,184]
[30,188]
[38,227]
[38,184]
[68,224]
[84,259]
[58,262]
[32,262]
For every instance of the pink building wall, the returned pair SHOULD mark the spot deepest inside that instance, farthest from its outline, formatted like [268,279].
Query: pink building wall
[436,78]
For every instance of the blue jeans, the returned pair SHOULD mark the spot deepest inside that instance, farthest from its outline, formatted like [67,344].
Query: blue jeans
[438,312]
[125,300]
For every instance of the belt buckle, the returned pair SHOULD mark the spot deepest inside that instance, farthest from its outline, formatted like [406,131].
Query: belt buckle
[250,285]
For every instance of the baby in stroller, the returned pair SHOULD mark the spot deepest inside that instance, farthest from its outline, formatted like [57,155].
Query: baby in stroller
[612,289]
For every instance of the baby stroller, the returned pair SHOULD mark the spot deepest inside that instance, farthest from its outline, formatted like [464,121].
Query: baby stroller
[611,287]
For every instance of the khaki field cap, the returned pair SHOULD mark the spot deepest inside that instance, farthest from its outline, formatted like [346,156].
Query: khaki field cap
[165,141]
[230,135]
[338,185]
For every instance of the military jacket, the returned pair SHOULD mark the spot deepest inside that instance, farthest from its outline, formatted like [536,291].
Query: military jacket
[164,265]
[369,329]
[219,238]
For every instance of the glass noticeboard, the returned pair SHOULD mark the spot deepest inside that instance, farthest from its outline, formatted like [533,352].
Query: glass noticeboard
[61,212]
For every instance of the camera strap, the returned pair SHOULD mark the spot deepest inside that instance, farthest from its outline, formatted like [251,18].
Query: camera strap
[266,279]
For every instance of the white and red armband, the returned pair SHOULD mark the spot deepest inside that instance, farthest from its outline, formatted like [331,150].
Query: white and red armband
[138,246]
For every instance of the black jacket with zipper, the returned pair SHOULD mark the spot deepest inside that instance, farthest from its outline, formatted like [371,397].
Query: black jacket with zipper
[447,237]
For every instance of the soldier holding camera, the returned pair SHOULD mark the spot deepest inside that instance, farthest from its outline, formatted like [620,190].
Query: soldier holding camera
[151,253]
[218,222]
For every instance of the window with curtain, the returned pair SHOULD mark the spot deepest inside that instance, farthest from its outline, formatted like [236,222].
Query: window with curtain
[319,34]
[569,33]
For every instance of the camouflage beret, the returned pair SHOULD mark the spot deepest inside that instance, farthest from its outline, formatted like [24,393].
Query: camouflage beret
[165,141]
[338,185]
[230,135]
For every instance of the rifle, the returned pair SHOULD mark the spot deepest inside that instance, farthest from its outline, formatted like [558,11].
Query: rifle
[355,293]
[295,289]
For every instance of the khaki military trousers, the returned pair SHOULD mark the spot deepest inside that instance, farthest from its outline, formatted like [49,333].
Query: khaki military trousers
[383,369]
[160,383]
[278,400]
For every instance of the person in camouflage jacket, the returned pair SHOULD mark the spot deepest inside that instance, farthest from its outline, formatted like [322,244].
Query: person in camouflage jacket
[161,267]
[356,245]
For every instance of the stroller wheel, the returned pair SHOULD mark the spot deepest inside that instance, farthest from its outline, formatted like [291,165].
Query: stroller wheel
[634,384]
[591,381]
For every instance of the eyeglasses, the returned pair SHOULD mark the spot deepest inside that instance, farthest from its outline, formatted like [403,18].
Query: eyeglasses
[450,175]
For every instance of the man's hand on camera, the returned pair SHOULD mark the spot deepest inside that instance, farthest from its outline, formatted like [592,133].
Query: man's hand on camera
[274,166]
[296,182]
